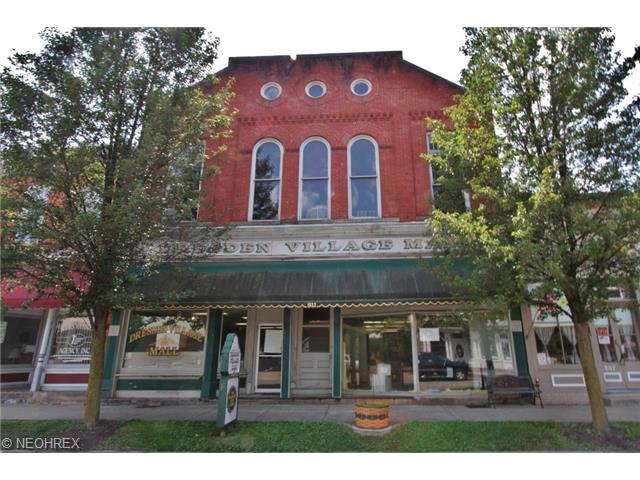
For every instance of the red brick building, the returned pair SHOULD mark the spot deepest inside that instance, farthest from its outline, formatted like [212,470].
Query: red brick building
[325,191]
[392,113]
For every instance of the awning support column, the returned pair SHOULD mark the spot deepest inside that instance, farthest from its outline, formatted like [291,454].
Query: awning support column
[113,338]
[337,353]
[211,354]
[286,350]
[519,344]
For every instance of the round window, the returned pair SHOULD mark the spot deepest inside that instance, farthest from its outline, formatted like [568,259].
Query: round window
[271,91]
[361,87]
[315,89]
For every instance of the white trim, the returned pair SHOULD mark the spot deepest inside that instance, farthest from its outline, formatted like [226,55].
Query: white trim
[313,84]
[43,352]
[267,85]
[414,352]
[67,369]
[300,177]
[377,159]
[253,173]
[612,377]
[567,375]
[363,80]
[63,387]
[257,364]
[158,394]
[633,376]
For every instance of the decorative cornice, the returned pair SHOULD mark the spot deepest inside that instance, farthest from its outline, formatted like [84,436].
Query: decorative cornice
[422,114]
[315,118]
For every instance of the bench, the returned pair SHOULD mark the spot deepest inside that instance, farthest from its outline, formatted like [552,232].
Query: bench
[504,386]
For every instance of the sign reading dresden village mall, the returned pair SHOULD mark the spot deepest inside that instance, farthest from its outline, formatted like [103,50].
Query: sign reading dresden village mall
[306,247]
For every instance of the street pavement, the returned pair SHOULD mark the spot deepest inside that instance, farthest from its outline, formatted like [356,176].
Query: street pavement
[338,412]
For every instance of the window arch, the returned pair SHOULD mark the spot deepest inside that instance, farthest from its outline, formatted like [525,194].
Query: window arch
[364,179]
[315,179]
[266,166]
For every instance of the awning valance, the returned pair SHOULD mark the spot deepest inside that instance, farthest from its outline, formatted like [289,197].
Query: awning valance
[295,283]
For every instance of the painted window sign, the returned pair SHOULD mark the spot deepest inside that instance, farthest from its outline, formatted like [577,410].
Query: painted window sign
[157,340]
[72,343]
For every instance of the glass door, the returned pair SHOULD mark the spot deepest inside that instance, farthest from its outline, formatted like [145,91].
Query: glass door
[269,361]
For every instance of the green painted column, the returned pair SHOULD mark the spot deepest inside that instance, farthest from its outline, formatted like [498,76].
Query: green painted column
[337,353]
[113,336]
[210,376]
[286,353]
[519,344]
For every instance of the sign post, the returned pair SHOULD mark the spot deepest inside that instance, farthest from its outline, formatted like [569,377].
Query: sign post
[228,390]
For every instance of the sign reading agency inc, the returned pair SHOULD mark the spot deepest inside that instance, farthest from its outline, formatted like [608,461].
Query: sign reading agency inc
[228,389]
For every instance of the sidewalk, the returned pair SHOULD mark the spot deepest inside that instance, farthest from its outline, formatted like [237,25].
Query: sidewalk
[342,413]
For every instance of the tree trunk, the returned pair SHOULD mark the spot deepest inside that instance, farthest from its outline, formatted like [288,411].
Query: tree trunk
[96,369]
[592,380]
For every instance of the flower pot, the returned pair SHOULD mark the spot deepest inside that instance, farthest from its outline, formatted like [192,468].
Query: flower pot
[372,415]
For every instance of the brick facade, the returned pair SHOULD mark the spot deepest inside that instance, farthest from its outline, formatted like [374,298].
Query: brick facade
[393,114]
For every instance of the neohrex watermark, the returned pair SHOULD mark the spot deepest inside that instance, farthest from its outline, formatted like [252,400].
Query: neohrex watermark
[41,443]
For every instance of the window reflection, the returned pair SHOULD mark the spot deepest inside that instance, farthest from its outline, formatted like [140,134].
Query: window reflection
[628,337]
[314,201]
[363,179]
[18,337]
[378,353]
[266,179]
[458,352]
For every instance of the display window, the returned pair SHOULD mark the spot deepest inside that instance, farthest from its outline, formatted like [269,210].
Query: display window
[18,338]
[456,351]
[378,353]
[629,348]
[555,338]
[165,341]
[72,341]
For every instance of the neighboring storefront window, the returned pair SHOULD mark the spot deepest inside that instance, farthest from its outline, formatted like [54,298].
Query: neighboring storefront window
[457,351]
[556,345]
[18,337]
[72,341]
[606,343]
[161,341]
[555,338]
[378,353]
[628,336]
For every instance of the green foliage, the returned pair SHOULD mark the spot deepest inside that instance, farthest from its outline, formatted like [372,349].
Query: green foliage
[102,137]
[548,143]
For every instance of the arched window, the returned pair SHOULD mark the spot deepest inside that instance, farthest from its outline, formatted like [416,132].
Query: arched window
[264,202]
[315,171]
[364,181]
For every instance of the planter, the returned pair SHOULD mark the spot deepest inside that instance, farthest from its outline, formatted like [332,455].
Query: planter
[372,415]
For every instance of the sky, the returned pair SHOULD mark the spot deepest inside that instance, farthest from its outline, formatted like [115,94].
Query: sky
[428,32]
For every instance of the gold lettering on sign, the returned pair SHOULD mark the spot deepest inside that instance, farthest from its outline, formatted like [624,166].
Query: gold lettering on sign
[143,332]
[163,352]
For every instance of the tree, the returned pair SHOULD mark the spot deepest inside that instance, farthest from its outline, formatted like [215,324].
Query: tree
[548,143]
[102,137]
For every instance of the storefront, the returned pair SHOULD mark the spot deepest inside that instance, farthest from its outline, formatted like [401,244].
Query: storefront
[554,357]
[311,321]
[43,347]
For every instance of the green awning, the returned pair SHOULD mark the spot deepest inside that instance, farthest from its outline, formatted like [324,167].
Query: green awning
[294,283]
